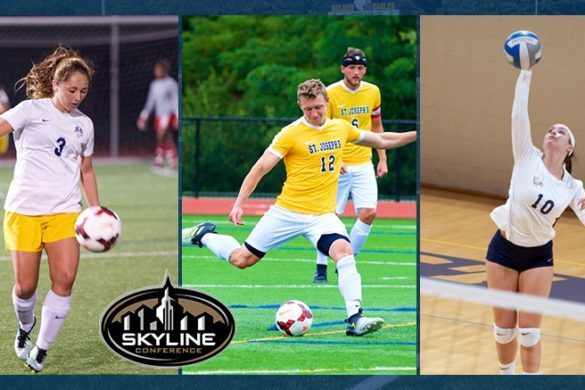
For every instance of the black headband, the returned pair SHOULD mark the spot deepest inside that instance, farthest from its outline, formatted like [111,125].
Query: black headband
[355,59]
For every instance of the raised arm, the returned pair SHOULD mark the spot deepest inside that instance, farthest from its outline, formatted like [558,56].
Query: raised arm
[264,165]
[387,140]
[522,147]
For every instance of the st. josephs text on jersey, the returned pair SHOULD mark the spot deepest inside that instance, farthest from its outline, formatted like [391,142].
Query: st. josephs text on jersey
[324,146]
[355,110]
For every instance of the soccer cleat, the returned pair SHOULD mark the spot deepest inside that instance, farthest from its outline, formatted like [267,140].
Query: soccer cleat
[22,345]
[358,325]
[196,233]
[36,359]
[320,274]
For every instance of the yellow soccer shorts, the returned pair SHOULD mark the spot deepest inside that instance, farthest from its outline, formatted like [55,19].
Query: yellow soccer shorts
[28,233]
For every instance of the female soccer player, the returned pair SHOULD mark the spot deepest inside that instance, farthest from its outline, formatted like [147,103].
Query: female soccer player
[163,97]
[519,256]
[54,143]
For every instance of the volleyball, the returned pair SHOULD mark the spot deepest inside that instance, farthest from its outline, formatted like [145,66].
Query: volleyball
[523,49]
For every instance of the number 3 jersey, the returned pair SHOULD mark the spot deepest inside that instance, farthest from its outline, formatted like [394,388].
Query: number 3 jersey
[536,198]
[312,157]
[48,144]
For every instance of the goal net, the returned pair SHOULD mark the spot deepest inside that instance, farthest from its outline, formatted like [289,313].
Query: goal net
[123,51]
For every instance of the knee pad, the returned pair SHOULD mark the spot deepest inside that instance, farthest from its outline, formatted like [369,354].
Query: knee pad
[504,335]
[529,337]
[326,240]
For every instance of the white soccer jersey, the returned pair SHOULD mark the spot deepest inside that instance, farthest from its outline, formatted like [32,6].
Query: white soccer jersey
[163,97]
[536,198]
[48,144]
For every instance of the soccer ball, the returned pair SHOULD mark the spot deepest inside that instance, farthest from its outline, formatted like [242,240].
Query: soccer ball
[97,229]
[522,49]
[294,318]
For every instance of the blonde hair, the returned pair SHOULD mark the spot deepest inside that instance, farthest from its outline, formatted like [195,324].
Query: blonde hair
[58,66]
[310,89]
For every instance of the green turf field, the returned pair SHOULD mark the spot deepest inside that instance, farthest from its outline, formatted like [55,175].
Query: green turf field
[147,205]
[388,269]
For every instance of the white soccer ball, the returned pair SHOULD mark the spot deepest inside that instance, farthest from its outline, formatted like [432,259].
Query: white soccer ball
[523,49]
[97,229]
[294,318]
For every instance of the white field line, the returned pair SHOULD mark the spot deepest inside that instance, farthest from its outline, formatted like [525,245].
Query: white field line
[358,261]
[113,255]
[377,227]
[290,286]
[298,371]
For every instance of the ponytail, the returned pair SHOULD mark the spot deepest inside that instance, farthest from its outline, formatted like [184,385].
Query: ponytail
[569,162]
[58,66]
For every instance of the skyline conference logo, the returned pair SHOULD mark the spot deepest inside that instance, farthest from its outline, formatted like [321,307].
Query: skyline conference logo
[167,326]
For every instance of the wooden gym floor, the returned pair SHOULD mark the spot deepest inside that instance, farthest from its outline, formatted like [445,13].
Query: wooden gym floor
[456,338]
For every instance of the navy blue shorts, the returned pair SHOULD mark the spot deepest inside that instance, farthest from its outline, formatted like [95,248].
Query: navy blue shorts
[519,258]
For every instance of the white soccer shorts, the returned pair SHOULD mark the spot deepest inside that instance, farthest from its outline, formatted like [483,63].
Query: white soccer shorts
[280,225]
[360,181]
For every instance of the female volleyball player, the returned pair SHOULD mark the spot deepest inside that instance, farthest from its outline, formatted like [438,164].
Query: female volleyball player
[54,143]
[519,256]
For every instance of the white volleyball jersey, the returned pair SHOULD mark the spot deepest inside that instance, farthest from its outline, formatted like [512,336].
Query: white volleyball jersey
[536,198]
[48,144]
[163,97]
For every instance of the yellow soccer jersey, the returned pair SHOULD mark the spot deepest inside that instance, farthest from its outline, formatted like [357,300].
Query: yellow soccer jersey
[312,158]
[358,108]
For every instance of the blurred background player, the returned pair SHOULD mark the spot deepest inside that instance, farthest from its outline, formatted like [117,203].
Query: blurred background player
[163,97]
[359,103]
[311,148]
[4,106]
[55,143]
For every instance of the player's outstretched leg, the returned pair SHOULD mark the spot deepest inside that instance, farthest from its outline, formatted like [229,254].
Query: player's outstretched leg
[193,235]
[221,245]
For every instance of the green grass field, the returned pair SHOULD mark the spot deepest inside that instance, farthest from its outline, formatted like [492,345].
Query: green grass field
[147,205]
[388,269]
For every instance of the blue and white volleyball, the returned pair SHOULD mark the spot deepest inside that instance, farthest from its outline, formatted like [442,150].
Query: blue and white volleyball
[522,49]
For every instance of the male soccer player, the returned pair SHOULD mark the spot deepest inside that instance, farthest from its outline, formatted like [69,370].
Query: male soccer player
[359,103]
[311,148]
